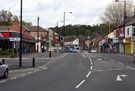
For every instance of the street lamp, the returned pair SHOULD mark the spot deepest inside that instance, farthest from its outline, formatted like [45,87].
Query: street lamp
[124,18]
[64,24]
[20,53]
[65,18]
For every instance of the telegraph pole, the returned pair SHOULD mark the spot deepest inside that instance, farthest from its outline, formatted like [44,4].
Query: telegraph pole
[20,53]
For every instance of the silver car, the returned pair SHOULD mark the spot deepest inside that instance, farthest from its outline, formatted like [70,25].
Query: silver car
[3,70]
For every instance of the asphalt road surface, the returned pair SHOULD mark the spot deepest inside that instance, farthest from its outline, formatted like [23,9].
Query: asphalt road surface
[76,72]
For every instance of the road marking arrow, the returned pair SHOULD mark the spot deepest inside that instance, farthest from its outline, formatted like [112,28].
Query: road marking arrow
[119,77]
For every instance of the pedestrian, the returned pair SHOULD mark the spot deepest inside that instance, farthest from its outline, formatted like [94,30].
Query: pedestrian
[42,48]
[45,49]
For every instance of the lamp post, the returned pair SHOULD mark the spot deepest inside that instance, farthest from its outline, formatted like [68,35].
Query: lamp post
[37,34]
[20,53]
[64,21]
[124,19]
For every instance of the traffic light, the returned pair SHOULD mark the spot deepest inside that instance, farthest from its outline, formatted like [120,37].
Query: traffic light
[61,39]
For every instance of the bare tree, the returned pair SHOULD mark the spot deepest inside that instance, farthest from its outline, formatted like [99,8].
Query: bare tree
[114,12]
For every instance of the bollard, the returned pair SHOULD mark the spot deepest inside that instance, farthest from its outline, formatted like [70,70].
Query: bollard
[134,59]
[33,62]
[50,54]
[3,61]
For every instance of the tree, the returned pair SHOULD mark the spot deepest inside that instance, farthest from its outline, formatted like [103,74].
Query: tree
[87,32]
[6,17]
[26,23]
[114,12]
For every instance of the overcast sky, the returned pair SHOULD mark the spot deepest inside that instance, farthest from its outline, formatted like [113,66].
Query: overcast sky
[50,11]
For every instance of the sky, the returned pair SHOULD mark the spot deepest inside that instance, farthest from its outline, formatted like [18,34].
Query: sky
[50,12]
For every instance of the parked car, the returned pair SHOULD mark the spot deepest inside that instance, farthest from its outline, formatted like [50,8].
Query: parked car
[78,49]
[93,51]
[71,50]
[3,70]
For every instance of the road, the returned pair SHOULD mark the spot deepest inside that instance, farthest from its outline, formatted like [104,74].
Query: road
[76,72]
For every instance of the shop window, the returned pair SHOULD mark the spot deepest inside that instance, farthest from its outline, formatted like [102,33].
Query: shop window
[128,32]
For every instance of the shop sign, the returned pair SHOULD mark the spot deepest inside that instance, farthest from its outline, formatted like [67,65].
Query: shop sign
[26,37]
[115,40]
[14,39]
[4,34]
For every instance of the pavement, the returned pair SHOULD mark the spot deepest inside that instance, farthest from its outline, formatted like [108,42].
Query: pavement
[40,59]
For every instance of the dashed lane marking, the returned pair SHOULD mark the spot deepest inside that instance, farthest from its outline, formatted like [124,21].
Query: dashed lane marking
[80,84]
[91,67]
[88,74]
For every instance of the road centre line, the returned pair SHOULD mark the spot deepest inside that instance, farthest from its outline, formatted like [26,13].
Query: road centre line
[91,63]
[91,67]
[88,74]
[80,84]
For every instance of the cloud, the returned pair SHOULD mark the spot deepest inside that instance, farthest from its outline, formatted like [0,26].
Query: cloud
[51,11]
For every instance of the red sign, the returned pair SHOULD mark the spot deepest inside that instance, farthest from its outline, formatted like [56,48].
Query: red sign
[4,34]
[27,36]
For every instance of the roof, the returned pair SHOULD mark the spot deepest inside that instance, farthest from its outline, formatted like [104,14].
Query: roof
[24,27]
[4,27]
[131,21]
[126,21]
[34,29]
[82,38]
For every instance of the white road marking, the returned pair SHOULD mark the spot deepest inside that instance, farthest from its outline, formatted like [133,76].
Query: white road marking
[120,63]
[130,68]
[22,75]
[14,71]
[112,60]
[30,72]
[64,55]
[83,55]
[13,78]
[91,67]
[3,81]
[99,59]
[91,63]
[88,74]
[35,70]
[80,84]
[119,77]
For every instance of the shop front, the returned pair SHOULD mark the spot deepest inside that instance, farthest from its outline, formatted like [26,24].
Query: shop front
[10,42]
